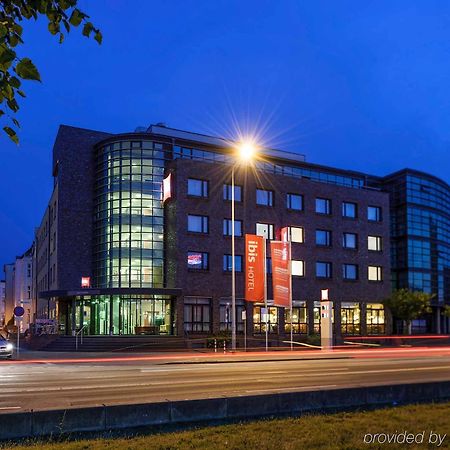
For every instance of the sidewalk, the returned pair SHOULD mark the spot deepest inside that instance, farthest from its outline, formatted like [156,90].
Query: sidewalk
[188,357]
[210,357]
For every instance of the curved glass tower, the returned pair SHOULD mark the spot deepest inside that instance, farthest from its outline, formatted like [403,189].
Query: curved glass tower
[129,216]
[420,214]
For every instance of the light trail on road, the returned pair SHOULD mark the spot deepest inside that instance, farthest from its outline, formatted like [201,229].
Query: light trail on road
[49,384]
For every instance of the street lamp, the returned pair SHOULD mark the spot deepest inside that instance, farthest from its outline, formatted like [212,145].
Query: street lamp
[245,153]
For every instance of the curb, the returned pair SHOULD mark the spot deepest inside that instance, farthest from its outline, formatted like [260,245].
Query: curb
[111,417]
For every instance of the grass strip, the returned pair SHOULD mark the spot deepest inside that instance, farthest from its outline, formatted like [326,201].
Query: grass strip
[315,431]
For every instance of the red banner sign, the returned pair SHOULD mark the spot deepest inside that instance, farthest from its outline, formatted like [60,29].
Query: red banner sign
[167,187]
[255,255]
[281,273]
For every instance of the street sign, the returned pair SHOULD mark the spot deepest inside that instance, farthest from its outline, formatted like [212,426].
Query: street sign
[19,311]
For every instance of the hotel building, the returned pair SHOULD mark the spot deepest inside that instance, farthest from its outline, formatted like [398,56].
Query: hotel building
[111,256]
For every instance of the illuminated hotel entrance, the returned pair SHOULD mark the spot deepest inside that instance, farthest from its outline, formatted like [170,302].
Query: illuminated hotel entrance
[119,315]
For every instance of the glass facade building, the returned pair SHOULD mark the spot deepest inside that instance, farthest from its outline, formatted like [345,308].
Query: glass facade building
[420,239]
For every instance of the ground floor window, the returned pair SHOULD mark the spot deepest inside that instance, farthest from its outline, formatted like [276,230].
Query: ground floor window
[225,313]
[350,318]
[261,320]
[299,318]
[197,314]
[118,314]
[375,319]
[316,313]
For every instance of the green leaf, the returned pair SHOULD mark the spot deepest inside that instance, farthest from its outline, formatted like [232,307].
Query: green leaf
[14,39]
[3,30]
[76,17]
[15,82]
[6,56]
[61,38]
[98,37]
[87,29]
[8,91]
[53,27]
[27,70]
[13,105]
[12,134]
[21,93]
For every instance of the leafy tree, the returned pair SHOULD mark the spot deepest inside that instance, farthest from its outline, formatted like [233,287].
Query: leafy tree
[446,311]
[408,305]
[61,16]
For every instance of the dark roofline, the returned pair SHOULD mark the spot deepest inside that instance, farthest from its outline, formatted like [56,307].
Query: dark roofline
[204,145]
[408,170]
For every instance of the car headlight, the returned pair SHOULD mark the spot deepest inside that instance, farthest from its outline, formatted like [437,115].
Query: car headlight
[9,347]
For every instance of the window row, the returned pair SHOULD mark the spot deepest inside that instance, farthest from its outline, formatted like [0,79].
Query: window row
[198,317]
[200,224]
[264,197]
[200,261]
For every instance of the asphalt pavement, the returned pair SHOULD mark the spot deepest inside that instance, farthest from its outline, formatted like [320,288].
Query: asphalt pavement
[51,381]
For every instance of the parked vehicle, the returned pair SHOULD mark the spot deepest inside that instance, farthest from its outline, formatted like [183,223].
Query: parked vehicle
[6,348]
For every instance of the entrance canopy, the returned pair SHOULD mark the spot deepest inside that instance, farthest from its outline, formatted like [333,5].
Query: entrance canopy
[110,291]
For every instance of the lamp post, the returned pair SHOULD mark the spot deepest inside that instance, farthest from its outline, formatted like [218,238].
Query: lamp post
[246,151]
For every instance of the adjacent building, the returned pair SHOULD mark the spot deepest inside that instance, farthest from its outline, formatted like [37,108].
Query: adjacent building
[18,288]
[113,256]
[2,302]
[420,240]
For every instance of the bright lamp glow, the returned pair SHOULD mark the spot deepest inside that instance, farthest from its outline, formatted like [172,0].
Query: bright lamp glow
[247,150]
[9,347]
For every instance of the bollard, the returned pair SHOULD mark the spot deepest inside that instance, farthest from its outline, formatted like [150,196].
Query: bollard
[224,346]
[215,345]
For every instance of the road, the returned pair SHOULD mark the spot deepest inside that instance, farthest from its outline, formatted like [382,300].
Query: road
[52,384]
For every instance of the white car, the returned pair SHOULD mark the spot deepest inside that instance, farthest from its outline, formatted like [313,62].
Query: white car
[6,348]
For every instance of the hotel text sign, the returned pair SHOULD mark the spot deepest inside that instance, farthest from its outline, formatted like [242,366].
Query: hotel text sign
[255,255]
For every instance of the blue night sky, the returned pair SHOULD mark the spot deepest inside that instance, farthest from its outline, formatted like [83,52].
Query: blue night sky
[354,84]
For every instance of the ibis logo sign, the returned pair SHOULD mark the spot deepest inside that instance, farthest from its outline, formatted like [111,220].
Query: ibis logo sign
[255,255]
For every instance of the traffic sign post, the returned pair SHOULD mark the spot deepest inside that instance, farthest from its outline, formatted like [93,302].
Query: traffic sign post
[19,311]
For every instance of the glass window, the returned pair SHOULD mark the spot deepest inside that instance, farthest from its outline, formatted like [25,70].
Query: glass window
[197,260]
[227,223]
[375,318]
[260,320]
[197,188]
[227,191]
[323,238]
[374,243]
[299,319]
[264,197]
[264,230]
[349,240]
[374,273]
[294,201]
[197,314]
[323,269]
[374,213]
[349,271]
[323,206]
[349,210]
[298,268]
[227,263]
[198,224]
[225,313]
[296,234]
[268,265]
[350,318]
